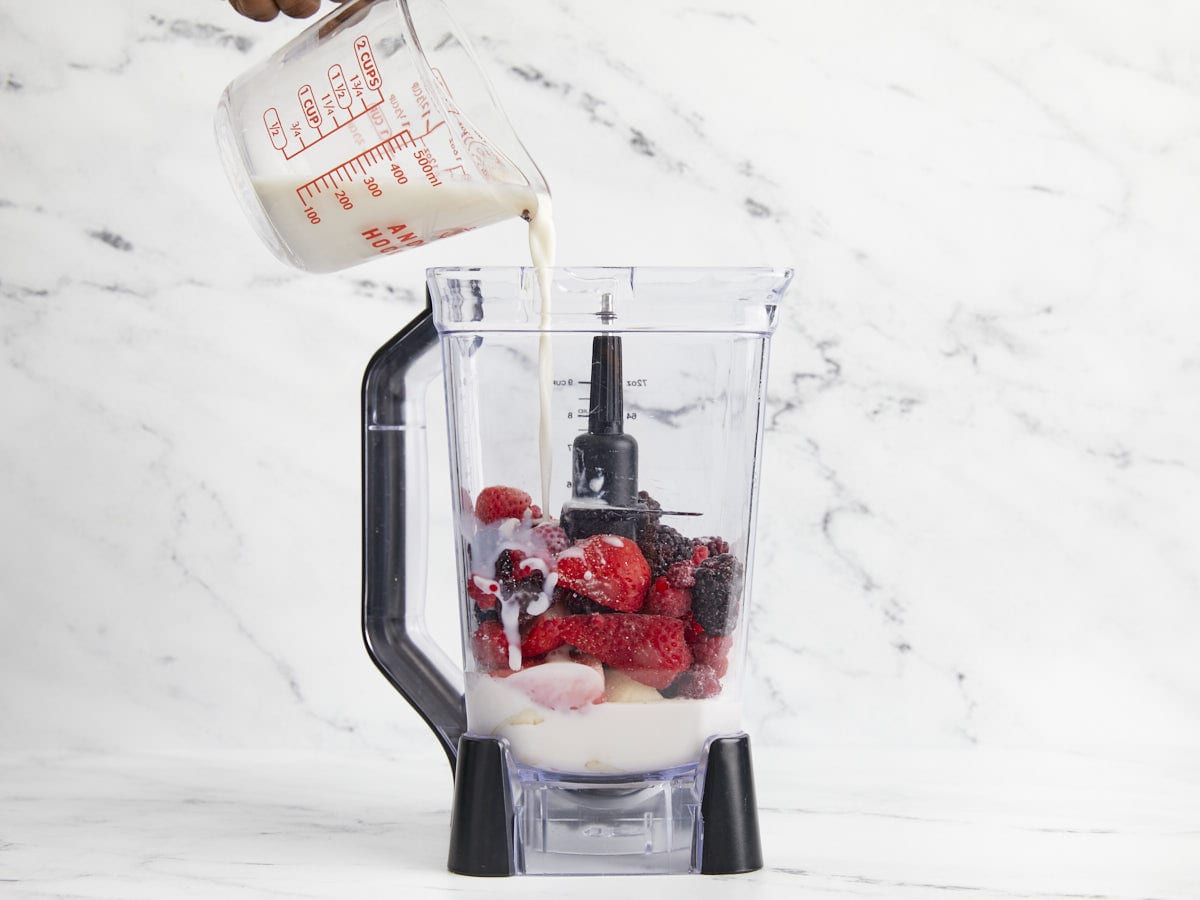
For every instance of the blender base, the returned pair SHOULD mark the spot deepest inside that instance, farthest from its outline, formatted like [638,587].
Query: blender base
[511,820]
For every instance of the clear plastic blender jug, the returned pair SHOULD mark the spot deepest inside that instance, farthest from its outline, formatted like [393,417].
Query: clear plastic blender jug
[604,626]
[373,132]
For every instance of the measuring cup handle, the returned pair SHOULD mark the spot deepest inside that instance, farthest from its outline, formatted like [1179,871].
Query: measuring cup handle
[395,520]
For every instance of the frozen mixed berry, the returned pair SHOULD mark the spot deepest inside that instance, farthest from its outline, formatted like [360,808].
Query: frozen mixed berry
[697,683]
[679,575]
[663,546]
[577,604]
[545,635]
[716,594]
[486,615]
[499,502]
[608,569]
[710,649]
[670,601]
[649,649]
[552,537]
[651,506]
[715,545]
[484,591]
[506,565]
[490,646]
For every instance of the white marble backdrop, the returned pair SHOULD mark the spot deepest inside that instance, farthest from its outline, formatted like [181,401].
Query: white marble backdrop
[982,519]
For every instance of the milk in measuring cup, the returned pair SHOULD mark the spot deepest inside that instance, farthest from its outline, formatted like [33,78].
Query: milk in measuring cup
[419,215]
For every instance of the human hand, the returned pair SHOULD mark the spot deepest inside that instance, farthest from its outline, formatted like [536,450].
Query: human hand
[266,10]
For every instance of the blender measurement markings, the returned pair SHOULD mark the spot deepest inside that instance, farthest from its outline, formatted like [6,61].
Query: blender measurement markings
[369,157]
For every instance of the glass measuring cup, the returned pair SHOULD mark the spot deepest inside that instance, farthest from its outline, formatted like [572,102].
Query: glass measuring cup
[373,131]
[604,639]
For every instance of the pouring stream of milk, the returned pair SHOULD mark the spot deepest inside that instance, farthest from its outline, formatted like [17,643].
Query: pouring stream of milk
[541,251]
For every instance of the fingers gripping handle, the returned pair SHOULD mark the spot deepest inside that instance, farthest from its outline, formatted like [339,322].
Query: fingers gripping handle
[395,516]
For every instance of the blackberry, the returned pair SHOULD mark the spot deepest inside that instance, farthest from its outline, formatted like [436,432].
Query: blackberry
[663,546]
[504,567]
[524,597]
[651,506]
[577,604]
[717,593]
[524,590]
[486,615]
[697,683]
[716,546]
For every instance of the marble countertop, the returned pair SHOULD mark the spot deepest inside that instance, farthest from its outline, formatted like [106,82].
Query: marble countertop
[836,823]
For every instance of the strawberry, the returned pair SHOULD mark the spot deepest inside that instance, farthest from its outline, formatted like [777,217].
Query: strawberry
[608,569]
[544,636]
[649,649]
[499,502]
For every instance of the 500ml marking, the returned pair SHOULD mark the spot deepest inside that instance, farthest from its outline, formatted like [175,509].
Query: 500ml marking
[383,152]
[347,97]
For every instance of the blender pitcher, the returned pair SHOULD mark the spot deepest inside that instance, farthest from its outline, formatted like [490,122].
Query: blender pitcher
[604,622]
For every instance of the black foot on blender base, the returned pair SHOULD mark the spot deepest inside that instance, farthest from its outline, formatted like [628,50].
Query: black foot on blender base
[729,810]
[481,819]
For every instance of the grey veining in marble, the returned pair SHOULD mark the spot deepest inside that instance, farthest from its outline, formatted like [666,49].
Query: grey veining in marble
[983,450]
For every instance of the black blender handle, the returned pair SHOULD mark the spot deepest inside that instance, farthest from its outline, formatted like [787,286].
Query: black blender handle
[394,472]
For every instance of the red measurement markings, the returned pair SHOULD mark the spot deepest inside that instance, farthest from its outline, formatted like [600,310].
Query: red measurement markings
[381,152]
[275,128]
[308,106]
[341,90]
[366,62]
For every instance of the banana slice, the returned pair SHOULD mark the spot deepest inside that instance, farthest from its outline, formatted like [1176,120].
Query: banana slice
[620,688]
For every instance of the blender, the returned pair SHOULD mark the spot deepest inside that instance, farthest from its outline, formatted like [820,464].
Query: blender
[604,617]
[605,428]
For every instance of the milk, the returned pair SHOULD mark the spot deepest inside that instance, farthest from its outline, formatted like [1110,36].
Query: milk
[398,219]
[321,235]
[601,738]
[542,246]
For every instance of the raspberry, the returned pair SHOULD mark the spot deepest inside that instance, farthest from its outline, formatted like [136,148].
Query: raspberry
[490,646]
[696,683]
[674,602]
[716,546]
[699,555]
[649,649]
[662,546]
[499,502]
[553,537]
[608,569]
[711,650]
[679,575]
[716,594]
[483,591]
